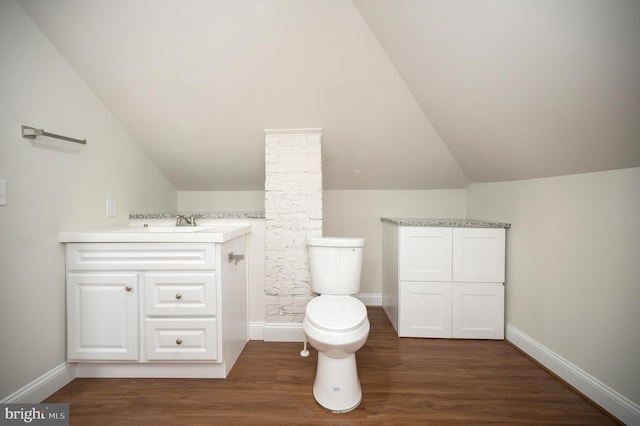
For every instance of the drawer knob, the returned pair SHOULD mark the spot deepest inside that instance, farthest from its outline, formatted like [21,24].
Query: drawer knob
[178,341]
[128,288]
[178,296]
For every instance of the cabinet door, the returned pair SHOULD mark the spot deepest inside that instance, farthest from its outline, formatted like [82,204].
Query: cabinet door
[425,310]
[478,311]
[478,255]
[425,254]
[102,316]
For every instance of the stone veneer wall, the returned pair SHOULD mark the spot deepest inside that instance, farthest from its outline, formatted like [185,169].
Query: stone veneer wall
[293,212]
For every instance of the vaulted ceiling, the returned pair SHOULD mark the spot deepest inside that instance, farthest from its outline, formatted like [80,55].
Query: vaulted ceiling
[410,94]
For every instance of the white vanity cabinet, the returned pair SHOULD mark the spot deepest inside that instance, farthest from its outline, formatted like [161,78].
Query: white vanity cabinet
[444,282]
[156,309]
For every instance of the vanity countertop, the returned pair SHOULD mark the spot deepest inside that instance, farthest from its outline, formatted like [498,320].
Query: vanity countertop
[445,222]
[162,233]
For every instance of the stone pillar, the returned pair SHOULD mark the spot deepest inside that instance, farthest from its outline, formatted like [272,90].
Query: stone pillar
[293,212]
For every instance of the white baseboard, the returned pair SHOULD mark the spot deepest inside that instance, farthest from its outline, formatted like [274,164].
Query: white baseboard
[292,332]
[256,330]
[44,386]
[370,299]
[283,332]
[616,404]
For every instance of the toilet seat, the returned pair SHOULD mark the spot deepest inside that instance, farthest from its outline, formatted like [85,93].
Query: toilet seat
[336,314]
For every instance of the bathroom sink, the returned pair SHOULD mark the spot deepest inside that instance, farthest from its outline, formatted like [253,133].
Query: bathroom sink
[211,233]
[166,228]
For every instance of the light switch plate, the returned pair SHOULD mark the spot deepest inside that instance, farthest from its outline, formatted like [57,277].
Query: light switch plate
[3,192]
[112,207]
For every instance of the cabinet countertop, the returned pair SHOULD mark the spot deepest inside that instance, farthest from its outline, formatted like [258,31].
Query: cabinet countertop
[444,222]
[215,233]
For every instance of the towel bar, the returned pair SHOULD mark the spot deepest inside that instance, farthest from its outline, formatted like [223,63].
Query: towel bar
[32,132]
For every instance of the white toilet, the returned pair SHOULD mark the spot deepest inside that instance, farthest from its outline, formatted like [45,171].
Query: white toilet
[336,323]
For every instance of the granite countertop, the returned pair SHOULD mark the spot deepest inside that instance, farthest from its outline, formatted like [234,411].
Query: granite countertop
[201,215]
[445,222]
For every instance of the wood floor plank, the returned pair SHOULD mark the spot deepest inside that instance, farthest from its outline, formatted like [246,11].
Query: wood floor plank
[405,381]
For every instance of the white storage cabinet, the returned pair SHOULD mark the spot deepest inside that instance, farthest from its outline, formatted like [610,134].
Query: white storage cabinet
[131,305]
[444,282]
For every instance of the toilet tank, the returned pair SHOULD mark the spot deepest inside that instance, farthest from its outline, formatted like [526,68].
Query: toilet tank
[335,264]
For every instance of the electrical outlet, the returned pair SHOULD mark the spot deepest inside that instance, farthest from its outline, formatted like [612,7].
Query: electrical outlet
[112,207]
[3,192]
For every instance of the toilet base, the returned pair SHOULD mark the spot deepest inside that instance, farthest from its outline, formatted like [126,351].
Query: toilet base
[336,386]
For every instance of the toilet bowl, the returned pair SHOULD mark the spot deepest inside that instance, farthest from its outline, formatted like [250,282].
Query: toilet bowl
[337,326]
[336,323]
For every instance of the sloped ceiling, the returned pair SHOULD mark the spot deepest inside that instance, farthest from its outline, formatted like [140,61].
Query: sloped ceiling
[521,88]
[411,94]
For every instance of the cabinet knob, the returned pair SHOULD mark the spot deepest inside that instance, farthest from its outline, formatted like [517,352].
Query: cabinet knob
[178,296]
[178,341]
[128,288]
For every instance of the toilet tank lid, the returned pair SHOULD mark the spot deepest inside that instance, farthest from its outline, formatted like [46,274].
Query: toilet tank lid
[335,242]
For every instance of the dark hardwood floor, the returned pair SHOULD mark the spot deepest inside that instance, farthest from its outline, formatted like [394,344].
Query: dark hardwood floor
[404,381]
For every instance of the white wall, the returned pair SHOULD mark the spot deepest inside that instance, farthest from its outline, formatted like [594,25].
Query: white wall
[573,267]
[220,201]
[50,190]
[357,213]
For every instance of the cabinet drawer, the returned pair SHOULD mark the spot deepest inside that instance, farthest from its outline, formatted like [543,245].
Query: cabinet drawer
[181,339]
[180,293]
[140,256]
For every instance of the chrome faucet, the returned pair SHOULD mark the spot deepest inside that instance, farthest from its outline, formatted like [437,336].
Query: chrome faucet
[182,220]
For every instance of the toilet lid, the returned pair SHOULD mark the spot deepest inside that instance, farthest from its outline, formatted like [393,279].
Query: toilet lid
[336,313]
